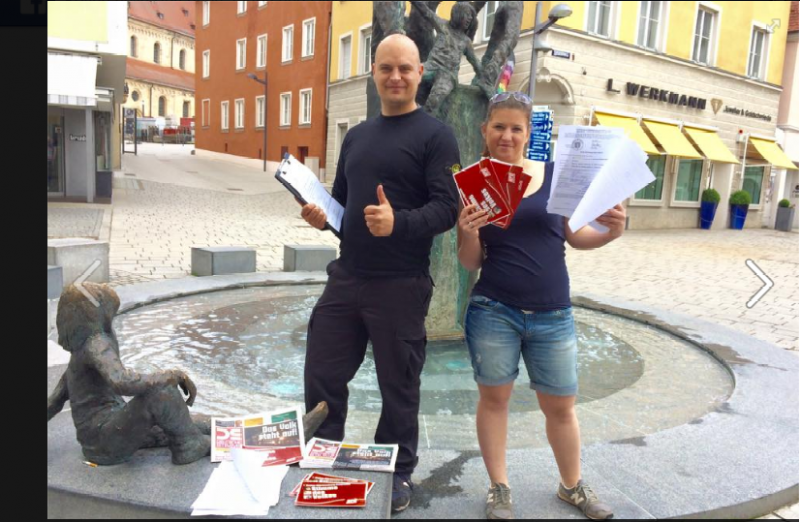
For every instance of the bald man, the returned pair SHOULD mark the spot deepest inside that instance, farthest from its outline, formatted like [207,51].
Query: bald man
[395,182]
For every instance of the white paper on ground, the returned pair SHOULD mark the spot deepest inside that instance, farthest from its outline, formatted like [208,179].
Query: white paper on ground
[263,482]
[227,494]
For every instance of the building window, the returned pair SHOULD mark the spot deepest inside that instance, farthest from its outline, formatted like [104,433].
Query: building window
[206,63]
[753,179]
[288,45]
[599,20]
[309,30]
[261,54]
[345,46]
[259,111]
[157,53]
[162,106]
[286,109]
[654,190]
[186,109]
[649,23]
[687,186]
[488,19]
[206,13]
[759,47]
[241,49]
[704,35]
[135,95]
[365,51]
[240,114]
[133,46]
[262,4]
[305,107]
[206,114]
[182,60]
[341,130]
[225,115]
[241,7]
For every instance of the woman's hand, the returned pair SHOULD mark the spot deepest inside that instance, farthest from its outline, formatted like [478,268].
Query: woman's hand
[471,220]
[614,219]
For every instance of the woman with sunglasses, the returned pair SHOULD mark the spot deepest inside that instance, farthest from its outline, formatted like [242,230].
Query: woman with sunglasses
[520,306]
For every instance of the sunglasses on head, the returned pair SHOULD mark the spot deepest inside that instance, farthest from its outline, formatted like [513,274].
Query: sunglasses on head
[503,96]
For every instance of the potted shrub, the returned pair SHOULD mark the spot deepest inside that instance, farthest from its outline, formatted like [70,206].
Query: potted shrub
[739,201]
[708,207]
[785,217]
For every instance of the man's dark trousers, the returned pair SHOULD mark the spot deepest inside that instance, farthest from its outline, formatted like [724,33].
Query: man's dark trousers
[391,313]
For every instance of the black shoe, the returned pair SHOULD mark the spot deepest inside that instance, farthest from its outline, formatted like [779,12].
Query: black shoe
[401,492]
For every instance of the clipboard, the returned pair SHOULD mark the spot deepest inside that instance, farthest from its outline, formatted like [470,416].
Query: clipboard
[306,188]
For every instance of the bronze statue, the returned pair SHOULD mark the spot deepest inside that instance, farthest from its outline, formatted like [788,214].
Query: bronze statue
[453,40]
[110,430]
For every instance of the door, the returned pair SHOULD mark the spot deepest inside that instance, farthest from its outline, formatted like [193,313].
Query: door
[55,152]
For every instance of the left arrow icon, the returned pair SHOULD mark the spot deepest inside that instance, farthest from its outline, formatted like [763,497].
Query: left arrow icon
[83,277]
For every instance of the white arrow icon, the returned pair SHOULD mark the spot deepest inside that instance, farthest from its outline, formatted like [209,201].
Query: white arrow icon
[79,282]
[766,280]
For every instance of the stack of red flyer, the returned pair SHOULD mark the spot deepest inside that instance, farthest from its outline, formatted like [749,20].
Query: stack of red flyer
[494,186]
[318,490]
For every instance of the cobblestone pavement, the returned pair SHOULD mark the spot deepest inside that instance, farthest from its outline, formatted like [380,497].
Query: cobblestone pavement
[176,201]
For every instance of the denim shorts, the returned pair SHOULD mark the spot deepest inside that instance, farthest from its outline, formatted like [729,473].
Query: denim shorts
[498,334]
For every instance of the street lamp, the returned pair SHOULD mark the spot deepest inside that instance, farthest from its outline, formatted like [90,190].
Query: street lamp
[264,82]
[556,13]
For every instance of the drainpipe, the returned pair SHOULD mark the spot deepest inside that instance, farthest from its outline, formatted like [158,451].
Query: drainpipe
[327,93]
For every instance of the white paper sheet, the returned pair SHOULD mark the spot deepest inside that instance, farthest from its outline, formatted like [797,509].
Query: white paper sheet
[303,180]
[227,494]
[595,169]
[263,482]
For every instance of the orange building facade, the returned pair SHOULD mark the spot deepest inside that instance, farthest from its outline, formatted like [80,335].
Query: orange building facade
[287,42]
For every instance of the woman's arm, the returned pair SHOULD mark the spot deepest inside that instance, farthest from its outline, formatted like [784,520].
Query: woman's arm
[588,238]
[470,249]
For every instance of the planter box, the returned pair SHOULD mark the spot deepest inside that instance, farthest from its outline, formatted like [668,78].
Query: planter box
[784,219]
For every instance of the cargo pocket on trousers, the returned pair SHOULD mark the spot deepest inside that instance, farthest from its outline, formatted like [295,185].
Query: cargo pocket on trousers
[412,339]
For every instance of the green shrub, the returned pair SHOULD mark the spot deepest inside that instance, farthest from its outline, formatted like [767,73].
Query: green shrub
[740,197]
[784,203]
[710,195]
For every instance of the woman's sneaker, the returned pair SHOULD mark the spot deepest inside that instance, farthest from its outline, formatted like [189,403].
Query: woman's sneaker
[498,503]
[582,497]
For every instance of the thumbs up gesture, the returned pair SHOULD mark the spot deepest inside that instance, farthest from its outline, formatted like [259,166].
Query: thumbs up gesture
[380,217]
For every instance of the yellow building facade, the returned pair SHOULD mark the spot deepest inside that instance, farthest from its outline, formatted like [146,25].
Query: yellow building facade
[721,62]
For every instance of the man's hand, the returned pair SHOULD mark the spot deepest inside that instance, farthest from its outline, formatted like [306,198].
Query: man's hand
[187,387]
[313,215]
[380,217]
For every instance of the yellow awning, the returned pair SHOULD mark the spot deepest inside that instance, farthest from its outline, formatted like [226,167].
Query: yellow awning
[710,143]
[772,153]
[631,127]
[672,140]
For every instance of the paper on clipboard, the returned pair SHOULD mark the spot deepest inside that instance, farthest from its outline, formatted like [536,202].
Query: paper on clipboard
[305,186]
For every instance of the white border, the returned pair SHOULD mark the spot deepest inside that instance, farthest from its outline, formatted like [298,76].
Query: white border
[314,37]
[266,50]
[243,55]
[281,113]
[339,69]
[361,64]
[284,59]
[300,107]
[236,113]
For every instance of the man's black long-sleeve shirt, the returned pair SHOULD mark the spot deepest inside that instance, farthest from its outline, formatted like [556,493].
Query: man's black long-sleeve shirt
[412,156]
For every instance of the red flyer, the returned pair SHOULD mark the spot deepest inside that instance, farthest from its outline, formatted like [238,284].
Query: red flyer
[329,479]
[476,185]
[320,494]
